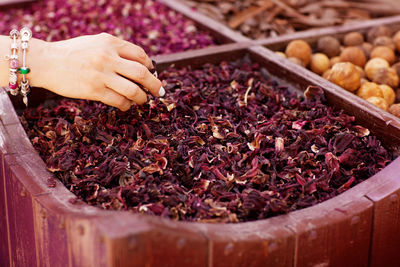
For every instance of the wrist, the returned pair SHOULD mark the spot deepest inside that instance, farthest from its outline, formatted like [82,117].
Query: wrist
[38,61]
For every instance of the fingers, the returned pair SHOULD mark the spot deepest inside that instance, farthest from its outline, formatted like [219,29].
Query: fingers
[133,52]
[111,98]
[138,73]
[126,88]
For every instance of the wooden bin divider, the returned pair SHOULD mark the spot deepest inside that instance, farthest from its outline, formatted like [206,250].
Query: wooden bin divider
[343,225]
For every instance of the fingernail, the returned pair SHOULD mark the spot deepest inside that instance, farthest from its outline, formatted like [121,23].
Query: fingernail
[161,93]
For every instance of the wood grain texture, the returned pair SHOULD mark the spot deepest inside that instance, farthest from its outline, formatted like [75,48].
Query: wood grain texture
[386,221]
[4,233]
[333,233]
[220,31]
[20,220]
[9,3]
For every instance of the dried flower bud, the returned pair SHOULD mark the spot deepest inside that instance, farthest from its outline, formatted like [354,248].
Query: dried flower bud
[385,53]
[353,39]
[388,94]
[386,76]
[345,75]
[296,61]
[279,53]
[353,54]
[333,61]
[396,40]
[395,109]
[379,102]
[367,48]
[329,45]
[378,31]
[299,49]
[373,65]
[384,41]
[319,63]
[368,90]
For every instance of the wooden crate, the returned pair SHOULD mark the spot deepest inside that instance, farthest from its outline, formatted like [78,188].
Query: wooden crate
[43,227]
[39,226]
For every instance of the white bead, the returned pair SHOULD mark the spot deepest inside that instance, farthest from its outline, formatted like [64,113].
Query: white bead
[14,45]
[24,45]
[13,33]
[26,34]
[14,56]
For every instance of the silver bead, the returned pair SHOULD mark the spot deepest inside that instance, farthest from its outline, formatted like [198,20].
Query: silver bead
[14,33]
[25,100]
[24,86]
[14,92]
[26,34]
[13,78]
[24,45]
[14,56]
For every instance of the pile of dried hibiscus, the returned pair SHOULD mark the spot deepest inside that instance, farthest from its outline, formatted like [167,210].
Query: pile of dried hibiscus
[226,144]
[147,23]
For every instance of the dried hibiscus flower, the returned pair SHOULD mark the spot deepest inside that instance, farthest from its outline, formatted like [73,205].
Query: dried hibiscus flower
[225,145]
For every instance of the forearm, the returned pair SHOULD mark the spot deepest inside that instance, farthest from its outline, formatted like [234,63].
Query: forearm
[36,60]
[96,67]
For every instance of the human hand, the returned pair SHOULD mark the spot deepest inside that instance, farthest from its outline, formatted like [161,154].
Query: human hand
[96,67]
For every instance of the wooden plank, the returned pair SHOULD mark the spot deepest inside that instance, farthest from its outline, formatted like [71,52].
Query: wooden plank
[386,234]
[50,233]
[150,241]
[20,220]
[332,234]
[222,33]
[9,3]
[260,243]
[4,234]
[85,243]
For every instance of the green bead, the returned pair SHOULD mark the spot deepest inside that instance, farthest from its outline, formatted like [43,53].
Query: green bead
[24,70]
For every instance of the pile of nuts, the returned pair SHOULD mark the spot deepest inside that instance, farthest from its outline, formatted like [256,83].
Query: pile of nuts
[364,64]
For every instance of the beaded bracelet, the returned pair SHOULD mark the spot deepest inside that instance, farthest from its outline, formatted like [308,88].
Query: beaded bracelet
[14,63]
[26,35]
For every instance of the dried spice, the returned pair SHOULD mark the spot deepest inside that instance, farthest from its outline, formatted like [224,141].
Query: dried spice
[370,70]
[265,18]
[158,29]
[226,144]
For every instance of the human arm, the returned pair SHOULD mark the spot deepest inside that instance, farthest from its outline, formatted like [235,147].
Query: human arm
[96,67]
